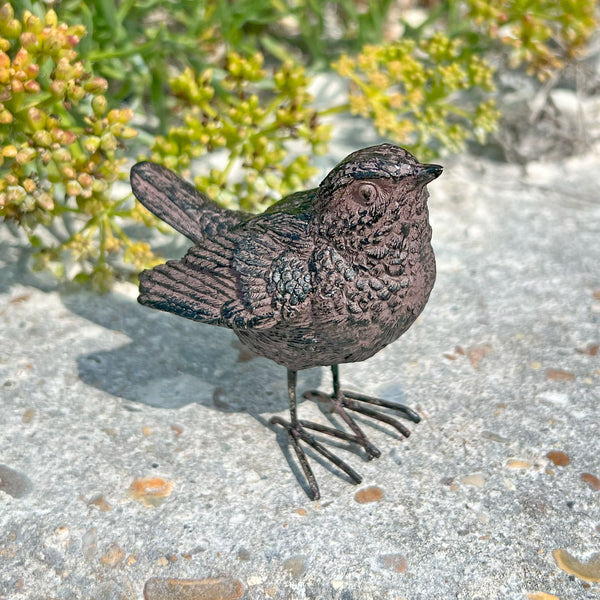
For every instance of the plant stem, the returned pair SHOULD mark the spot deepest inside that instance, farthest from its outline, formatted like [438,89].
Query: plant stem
[334,110]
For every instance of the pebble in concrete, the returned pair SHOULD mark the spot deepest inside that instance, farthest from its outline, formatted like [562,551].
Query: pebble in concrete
[394,562]
[14,483]
[150,491]
[221,588]
[295,566]
[367,495]
[589,569]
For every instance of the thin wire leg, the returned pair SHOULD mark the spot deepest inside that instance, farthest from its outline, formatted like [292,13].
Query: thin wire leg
[406,411]
[343,399]
[296,433]
[378,416]
[338,406]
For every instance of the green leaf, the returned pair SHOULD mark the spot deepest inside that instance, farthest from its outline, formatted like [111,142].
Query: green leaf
[82,278]
[35,241]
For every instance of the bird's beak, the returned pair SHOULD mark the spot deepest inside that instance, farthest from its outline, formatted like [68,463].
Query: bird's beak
[429,173]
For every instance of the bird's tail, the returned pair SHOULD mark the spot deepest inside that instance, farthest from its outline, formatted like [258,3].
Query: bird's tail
[177,202]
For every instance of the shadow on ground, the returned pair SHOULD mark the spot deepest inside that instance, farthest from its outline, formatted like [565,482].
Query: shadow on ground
[167,361]
[157,358]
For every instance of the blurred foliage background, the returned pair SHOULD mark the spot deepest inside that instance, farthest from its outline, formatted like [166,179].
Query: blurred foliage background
[87,88]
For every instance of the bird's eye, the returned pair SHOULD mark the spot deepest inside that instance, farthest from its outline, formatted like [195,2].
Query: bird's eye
[367,193]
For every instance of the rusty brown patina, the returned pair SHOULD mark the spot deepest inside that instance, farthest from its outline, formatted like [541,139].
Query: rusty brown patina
[323,277]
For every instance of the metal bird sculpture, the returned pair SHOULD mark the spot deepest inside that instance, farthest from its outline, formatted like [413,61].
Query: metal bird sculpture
[323,277]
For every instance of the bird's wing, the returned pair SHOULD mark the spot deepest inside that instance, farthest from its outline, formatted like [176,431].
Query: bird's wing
[251,277]
[272,263]
[197,286]
[179,203]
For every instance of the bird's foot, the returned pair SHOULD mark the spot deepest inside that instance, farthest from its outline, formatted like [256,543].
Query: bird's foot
[341,402]
[297,433]
[356,402]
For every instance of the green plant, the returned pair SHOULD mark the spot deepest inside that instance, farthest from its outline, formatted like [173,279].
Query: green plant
[252,116]
[542,34]
[423,95]
[60,148]
[136,45]
[231,80]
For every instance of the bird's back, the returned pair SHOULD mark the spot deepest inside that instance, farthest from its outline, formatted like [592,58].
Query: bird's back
[227,277]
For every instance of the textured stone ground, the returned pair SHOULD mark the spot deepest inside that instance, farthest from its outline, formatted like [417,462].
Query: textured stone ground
[135,446]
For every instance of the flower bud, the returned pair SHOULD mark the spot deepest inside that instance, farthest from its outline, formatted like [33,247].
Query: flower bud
[32,22]
[6,13]
[21,59]
[170,162]
[96,85]
[29,185]
[64,70]
[76,30]
[76,93]
[36,118]
[99,105]
[108,143]
[73,188]
[91,144]
[25,155]
[52,121]
[5,117]
[99,186]
[123,115]
[45,201]
[31,86]
[69,172]
[15,194]
[85,179]
[58,87]
[9,151]
[63,137]
[44,155]
[61,155]
[52,44]
[51,19]
[12,29]
[42,138]
[32,70]
[123,132]
[29,40]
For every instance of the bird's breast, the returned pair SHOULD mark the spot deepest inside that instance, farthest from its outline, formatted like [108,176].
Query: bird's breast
[357,305]
[376,297]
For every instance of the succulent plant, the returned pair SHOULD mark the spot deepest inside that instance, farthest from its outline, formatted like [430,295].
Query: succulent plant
[428,96]
[251,114]
[61,148]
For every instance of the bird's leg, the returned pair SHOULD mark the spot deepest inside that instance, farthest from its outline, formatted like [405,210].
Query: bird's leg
[296,430]
[337,400]
[343,399]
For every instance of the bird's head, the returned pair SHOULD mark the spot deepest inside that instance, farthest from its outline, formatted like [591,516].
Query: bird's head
[371,188]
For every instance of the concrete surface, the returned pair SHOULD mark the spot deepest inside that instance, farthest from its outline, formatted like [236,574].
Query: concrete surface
[136,450]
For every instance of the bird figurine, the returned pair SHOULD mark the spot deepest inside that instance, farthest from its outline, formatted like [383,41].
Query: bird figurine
[323,277]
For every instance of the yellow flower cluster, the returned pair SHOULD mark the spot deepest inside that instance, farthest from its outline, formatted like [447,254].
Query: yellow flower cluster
[542,34]
[251,120]
[59,142]
[427,96]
